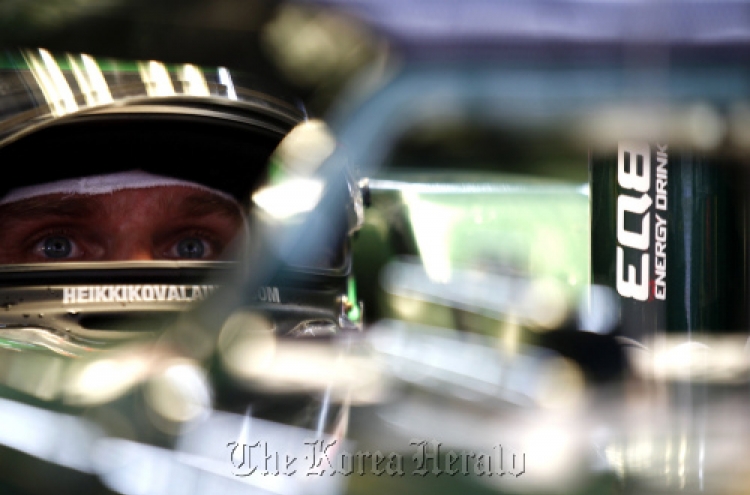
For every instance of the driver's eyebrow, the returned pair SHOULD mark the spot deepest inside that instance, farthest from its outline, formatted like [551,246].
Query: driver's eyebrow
[63,207]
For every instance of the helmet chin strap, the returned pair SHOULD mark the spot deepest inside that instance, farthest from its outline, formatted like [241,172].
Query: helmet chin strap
[104,184]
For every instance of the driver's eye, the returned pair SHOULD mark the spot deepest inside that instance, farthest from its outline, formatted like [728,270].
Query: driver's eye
[56,247]
[191,248]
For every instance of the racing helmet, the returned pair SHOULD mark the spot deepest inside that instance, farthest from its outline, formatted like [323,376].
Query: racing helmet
[103,339]
[92,120]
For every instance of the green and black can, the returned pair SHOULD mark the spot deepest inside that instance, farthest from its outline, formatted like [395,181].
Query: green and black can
[668,234]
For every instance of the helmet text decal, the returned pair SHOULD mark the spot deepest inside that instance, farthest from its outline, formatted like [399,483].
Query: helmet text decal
[269,294]
[136,293]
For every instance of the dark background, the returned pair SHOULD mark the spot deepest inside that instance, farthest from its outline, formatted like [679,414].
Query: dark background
[230,33]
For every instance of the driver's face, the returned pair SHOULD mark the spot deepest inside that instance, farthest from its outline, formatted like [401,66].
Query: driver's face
[158,223]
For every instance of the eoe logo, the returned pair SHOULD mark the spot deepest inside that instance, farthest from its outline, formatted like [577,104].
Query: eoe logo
[634,177]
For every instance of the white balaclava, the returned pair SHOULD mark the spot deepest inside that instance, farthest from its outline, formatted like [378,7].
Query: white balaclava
[103,184]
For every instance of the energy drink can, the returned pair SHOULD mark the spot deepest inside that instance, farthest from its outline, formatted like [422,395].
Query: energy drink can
[668,230]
